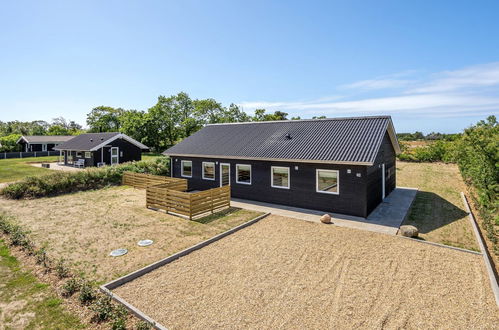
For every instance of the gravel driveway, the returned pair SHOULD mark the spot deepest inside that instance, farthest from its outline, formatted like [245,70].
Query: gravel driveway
[284,273]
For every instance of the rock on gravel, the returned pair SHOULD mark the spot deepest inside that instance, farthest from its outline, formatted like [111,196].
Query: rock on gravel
[408,231]
[326,218]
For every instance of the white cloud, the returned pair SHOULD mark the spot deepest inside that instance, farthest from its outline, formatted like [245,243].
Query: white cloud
[471,91]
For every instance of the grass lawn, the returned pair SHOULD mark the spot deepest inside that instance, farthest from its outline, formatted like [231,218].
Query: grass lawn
[17,168]
[85,227]
[27,304]
[438,211]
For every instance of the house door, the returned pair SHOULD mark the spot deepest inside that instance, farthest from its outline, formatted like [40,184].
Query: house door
[383,181]
[224,174]
[115,157]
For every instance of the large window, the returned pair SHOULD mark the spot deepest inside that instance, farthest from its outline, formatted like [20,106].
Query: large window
[280,177]
[243,174]
[327,182]
[186,168]
[208,170]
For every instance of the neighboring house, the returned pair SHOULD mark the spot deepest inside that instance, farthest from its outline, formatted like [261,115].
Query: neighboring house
[100,149]
[342,165]
[41,142]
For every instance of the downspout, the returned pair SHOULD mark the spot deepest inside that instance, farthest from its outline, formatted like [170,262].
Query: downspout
[102,155]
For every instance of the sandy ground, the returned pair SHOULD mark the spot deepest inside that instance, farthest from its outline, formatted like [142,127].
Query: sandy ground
[286,273]
[85,227]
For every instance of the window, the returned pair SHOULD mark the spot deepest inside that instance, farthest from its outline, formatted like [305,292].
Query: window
[78,154]
[208,170]
[44,147]
[88,154]
[186,166]
[243,174]
[327,182]
[280,177]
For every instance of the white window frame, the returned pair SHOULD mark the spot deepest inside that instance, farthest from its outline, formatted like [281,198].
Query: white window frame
[117,156]
[44,147]
[214,171]
[237,174]
[88,154]
[182,168]
[221,166]
[78,154]
[272,177]
[317,182]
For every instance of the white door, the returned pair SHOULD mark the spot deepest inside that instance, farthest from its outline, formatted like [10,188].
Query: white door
[224,174]
[115,155]
[382,181]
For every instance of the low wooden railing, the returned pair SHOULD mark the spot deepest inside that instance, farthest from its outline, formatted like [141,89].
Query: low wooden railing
[142,181]
[185,203]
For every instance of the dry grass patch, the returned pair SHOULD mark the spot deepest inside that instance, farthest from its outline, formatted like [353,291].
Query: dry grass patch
[283,273]
[84,227]
[438,211]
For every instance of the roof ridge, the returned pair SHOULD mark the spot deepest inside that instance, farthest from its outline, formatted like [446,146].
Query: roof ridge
[304,120]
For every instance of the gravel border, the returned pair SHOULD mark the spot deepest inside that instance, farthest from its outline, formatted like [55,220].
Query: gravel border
[486,257]
[106,288]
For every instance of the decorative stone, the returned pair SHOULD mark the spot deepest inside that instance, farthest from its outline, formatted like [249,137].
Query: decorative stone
[408,231]
[326,218]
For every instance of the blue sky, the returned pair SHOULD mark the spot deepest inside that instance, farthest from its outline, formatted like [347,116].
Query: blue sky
[431,65]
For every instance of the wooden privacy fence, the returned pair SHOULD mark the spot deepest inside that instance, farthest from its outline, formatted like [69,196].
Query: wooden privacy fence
[142,181]
[185,203]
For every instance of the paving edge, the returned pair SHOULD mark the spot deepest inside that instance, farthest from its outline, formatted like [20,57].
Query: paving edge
[106,288]
[486,257]
[440,245]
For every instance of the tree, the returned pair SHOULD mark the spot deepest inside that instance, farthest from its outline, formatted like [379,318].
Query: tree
[104,119]
[260,115]
[9,143]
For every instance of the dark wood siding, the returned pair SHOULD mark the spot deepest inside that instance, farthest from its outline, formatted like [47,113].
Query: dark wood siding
[386,155]
[302,193]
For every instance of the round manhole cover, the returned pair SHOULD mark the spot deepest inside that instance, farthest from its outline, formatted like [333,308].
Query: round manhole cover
[118,252]
[145,242]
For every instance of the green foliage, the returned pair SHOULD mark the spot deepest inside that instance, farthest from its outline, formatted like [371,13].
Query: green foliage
[478,160]
[143,325]
[9,143]
[70,287]
[87,293]
[94,178]
[61,269]
[439,151]
[103,309]
[119,324]
[41,257]
[59,126]
[104,119]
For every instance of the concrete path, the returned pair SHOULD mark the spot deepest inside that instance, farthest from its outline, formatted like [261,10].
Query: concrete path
[386,218]
[58,167]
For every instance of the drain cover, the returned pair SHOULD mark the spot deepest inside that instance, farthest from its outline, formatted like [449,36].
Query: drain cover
[145,242]
[118,252]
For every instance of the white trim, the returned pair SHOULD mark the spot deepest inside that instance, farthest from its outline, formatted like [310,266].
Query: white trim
[90,154]
[272,177]
[117,155]
[270,159]
[237,174]
[337,192]
[214,170]
[182,169]
[120,136]
[222,164]
[44,147]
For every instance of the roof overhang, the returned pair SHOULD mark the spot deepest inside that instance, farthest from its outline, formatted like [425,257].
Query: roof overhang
[393,137]
[270,159]
[106,142]
[22,138]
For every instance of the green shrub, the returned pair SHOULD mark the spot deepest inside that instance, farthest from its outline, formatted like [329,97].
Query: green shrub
[59,183]
[87,293]
[61,269]
[143,325]
[41,257]
[103,309]
[70,287]
[119,324]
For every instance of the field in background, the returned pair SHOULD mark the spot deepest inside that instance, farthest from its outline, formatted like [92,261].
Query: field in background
[438,211]
[18,168]
[85,227]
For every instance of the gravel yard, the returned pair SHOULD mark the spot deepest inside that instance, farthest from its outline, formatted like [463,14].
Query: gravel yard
[286,273]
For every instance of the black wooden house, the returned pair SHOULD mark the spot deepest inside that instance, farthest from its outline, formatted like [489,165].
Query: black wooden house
[96,149]
[32,143]
[341,165]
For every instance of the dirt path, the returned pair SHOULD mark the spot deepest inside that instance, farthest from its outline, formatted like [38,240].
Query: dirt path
[289,274]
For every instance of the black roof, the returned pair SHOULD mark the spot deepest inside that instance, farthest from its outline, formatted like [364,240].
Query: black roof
[334,140]
[94,141]
[34,139]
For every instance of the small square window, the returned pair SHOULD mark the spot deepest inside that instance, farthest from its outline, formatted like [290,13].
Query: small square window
[243,174]
[88,154]
[186,167]
[280,177]
[208,170]
[327,182]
